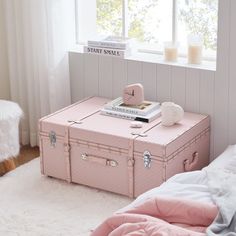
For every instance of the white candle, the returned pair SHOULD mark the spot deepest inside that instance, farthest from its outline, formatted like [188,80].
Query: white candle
[170,52]
[195,54]
[195,49]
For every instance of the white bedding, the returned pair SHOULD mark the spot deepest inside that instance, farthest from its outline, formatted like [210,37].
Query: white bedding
[221,177]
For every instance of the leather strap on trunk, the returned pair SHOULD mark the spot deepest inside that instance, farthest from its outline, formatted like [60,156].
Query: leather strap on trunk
[67,144]
[131,161]
[67,159]
[131,166]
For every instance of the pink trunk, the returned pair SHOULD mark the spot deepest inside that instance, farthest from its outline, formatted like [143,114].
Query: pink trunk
[79,144]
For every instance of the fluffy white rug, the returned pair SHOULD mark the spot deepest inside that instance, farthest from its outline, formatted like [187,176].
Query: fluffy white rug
[34,205]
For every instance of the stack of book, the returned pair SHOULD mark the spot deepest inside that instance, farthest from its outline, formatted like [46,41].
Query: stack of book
[109,46]
[145,112]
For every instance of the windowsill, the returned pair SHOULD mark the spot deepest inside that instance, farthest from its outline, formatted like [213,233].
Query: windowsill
[156,58]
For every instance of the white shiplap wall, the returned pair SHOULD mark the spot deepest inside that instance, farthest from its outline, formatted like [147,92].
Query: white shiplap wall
[197,90]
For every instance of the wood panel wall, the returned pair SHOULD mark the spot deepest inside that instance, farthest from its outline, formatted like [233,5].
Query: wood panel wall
[197,90]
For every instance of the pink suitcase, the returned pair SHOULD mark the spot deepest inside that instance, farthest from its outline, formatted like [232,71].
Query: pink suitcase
[106,153]
[54,136]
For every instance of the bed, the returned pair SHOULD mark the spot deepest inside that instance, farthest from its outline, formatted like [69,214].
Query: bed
[195,203]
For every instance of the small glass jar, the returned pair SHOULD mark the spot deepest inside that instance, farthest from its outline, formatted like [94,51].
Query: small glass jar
[170,51]
[195,49]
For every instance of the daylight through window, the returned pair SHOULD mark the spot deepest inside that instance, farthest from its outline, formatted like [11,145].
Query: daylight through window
[151,22]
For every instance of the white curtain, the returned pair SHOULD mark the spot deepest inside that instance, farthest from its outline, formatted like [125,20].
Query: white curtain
[39,34]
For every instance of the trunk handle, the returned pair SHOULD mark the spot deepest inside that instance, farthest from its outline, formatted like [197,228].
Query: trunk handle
[98,160]
[190,166]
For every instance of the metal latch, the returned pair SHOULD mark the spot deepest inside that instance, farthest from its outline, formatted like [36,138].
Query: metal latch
[53,138]
[147,159]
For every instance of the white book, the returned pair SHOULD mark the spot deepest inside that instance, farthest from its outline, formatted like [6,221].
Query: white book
[143,109]
[148,118]
[110,42]
[107,51]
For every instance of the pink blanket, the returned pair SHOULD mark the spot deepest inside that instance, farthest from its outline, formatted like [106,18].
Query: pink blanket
[161,217]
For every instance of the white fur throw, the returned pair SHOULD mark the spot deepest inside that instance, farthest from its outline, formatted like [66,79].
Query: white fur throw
[10,114]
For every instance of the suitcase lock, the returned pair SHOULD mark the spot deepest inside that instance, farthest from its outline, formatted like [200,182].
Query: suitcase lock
[53,138]
[147,159]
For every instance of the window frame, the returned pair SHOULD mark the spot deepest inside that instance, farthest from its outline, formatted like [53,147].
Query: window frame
[125,28]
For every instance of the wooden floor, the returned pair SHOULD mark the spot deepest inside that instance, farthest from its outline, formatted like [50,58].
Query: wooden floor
[27,154]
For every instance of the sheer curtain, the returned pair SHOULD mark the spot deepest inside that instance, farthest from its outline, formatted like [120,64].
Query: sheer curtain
[39,34]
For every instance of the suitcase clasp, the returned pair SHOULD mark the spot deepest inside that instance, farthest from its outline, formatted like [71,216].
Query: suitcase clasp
[147,159]
[53,138]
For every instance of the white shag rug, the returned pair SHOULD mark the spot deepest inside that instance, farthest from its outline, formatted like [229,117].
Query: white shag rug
[35,205]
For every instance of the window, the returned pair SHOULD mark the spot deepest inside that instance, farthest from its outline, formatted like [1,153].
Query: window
[151,22]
